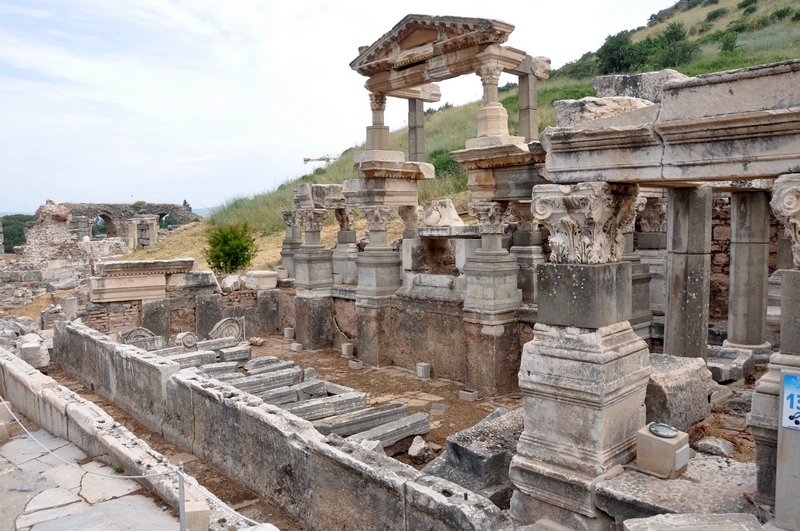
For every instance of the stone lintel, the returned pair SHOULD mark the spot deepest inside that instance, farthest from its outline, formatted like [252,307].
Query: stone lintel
[127,288]
[145,267]
[429,93]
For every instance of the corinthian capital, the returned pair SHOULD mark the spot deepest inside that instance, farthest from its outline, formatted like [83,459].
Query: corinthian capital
[377,217]
[313,218]
[654,216]
[522,213]
[585,220]
[292,218]
[490,216]
[345,218]
[410,216]
[489,73]
[638,207]
[786,207]
[377,101]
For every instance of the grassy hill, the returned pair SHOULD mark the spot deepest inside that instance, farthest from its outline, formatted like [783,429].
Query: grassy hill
[722,34]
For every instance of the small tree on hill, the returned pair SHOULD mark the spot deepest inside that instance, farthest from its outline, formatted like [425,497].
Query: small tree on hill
[230,248]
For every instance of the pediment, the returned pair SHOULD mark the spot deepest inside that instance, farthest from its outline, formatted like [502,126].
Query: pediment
[417,38]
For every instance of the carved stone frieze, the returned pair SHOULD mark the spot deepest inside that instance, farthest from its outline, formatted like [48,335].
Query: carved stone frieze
[345,218]
[377,217]
[585,220]
[313,219]
[786,207]
[292,218]
[491,216]
[654,216]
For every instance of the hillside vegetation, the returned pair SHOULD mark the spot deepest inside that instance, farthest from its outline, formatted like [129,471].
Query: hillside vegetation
[693,37]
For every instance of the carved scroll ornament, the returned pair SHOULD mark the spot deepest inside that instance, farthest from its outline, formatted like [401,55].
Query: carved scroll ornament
[785,205]
[377,218]
[491,216]
[313,219]
[291,218]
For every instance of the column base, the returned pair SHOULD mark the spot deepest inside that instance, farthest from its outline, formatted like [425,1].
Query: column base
[374,330]
[314,327]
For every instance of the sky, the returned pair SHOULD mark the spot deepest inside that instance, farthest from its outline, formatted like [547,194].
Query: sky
[116,101]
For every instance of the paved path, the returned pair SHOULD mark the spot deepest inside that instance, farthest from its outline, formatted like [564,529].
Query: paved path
[40,493]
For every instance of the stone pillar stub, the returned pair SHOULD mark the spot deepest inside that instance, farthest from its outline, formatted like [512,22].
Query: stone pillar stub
[586,296]
[688,273]
[416,130]
[528,108]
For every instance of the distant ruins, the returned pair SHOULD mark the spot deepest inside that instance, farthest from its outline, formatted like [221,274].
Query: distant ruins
[595,245]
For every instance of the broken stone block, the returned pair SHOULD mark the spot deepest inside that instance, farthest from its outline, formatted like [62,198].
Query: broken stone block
[692,522]
[419,451]
[468,395]
[715,446]
[294,393]
[728,364]
[214,369]
[575,112]
[374,446]
[231,283]
[194,359]
[34,354]
[217,344]
[647,86]
[278,366]
[264,382]
[329,406]
[363,420]
[261,280]
[677,391]
[328,196]
[237,353]
[392,432]
[258,363]
[296,347]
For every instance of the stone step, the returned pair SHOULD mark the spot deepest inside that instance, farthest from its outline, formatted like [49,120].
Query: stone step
[318,408]
[257,363]
[390,433]
[294,393]
[194,359]
[358,421]
[265,382]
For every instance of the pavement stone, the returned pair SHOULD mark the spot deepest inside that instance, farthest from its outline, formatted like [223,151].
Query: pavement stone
[51,498]
[96,489]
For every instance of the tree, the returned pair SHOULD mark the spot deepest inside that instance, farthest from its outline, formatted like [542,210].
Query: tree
[230,248]
[675,48]
[187,205]
[612,56]
[14,230]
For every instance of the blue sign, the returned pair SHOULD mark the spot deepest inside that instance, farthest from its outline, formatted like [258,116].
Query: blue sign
[790,410]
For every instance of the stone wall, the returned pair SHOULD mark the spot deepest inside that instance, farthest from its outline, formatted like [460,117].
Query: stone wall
[720,254]
[115,316]
[327,482]
[124,212]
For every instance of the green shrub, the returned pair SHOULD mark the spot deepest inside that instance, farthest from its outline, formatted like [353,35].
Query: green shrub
[782,13]
[715,14]
[139,204]
[749,10]
[744,4]
[230,248]
[692,3]
[728,42]
[710,3]
[738,26]
[796,17]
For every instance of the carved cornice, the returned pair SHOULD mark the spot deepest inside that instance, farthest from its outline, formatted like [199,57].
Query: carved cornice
[313,219]
[377,101]
[345,218]
[785,205]
[491,216]
[292,218]
[585,220]
[377,217]
[654,216]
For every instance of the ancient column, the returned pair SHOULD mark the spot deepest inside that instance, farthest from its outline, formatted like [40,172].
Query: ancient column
[764,412]
[527,249]
[416,130]
[492,117]
[688,272]
[652,245]
[346,251]
[641,315]
[377,133]
[414,256]
[585,373]
[293,240]
[313,283]
[2,249]
[749,272]
[379,269]
[528,108]
[490,305]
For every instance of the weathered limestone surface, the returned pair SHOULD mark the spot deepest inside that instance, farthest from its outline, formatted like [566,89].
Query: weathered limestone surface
[677,392]
[689,522]
[647,86]
[392,432]
[358,421]
[570,113]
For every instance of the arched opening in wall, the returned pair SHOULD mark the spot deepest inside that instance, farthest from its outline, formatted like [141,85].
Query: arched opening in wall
[165,220]
[108,223]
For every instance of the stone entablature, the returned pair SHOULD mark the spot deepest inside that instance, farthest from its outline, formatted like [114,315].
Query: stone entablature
[145,267]
[137,280]
[737,125]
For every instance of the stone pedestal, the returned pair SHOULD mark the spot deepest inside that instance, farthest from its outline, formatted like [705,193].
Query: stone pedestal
[688,272]
[314,283]
[292,241]
[749,270]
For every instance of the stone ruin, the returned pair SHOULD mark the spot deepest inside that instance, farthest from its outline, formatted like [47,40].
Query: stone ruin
[593,244]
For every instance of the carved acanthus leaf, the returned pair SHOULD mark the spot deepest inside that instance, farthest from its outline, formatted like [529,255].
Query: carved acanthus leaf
[345,218]
[489,73]
[377,101]
[313,219]
[523,216]
[654,216]
[586,220]
[377,217]
[292,218]
[785,205]
[491,216]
